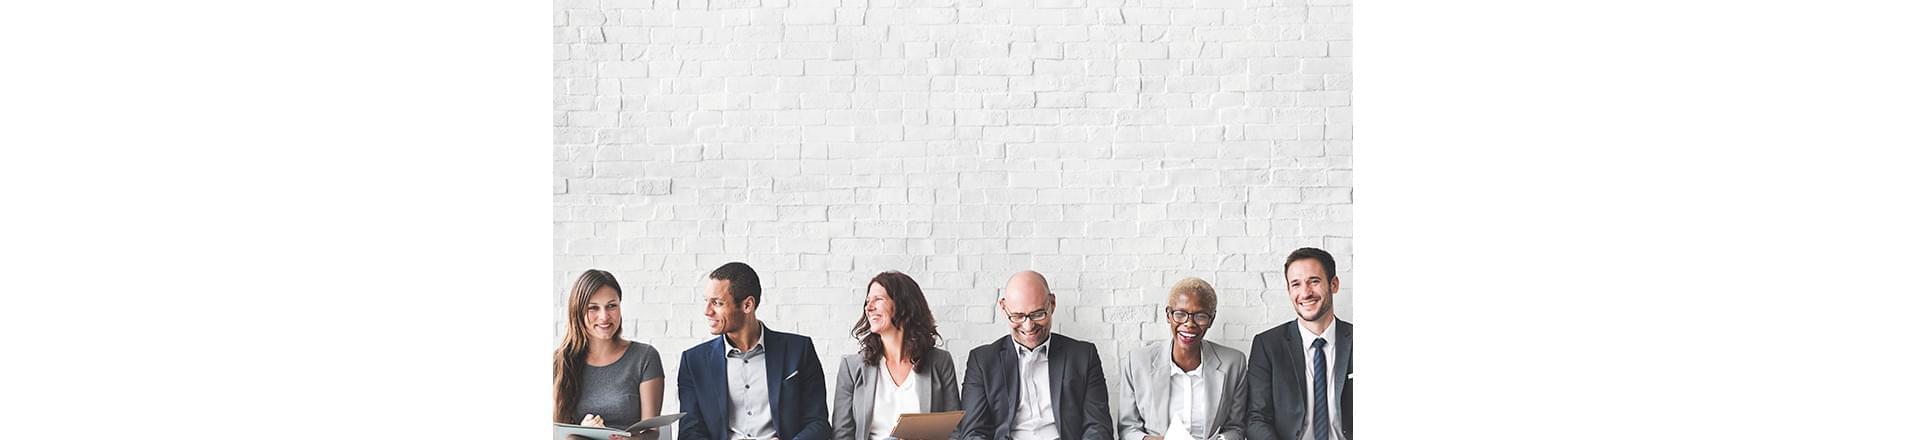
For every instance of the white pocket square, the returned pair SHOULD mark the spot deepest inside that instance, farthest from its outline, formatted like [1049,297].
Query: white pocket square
[791,375]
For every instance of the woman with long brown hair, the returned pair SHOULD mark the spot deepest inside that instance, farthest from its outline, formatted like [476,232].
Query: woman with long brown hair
[602,379]
[897,336]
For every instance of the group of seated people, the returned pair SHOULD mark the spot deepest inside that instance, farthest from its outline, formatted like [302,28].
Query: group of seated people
[752,382]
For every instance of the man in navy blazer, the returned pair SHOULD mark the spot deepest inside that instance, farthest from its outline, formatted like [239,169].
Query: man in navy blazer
[1034,384]
[750,383]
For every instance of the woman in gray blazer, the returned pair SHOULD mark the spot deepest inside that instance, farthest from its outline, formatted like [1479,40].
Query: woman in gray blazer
[897,370]
[1187,385]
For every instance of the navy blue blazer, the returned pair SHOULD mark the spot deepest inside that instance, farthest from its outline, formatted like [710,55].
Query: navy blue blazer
[796,389]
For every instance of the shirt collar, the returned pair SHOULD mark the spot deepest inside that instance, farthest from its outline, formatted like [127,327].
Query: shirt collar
[1179,371]
[1329,334]
[759,343]
[1042,348]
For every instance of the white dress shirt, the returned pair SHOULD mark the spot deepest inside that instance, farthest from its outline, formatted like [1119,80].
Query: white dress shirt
[1329,368]
[889,401]
[1034,419]
[1189,399]
[749,415]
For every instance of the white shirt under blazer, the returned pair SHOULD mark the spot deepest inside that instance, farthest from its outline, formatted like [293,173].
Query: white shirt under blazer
[1145,403]
[857,384]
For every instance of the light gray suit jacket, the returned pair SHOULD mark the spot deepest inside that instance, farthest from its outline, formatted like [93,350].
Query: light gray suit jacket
[1145,404]
[855,383]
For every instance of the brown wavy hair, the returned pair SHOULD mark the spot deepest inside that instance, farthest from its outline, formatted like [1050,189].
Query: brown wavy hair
[575,343]
[910,314]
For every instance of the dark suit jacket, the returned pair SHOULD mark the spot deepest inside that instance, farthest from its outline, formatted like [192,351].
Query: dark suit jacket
[1278,409]
[796,389]
[990,392]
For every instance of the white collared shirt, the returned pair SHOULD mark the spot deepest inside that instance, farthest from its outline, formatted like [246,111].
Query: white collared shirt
[749,415]
[1329,368]
[1189,399]
[1034,418]
[889,401]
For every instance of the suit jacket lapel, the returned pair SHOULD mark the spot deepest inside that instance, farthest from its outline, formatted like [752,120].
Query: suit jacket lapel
[1158,406]
[1341,372]
[1055,374]
[1213,389]
[718,394]
[1006,364]
[863,397]
[924,388]
[776,372]
[1299,370]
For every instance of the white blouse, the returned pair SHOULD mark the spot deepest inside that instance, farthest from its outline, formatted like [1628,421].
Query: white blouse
[889,401]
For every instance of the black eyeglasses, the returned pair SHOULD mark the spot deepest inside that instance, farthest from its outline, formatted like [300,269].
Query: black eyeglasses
[1021,317]
[1178,316]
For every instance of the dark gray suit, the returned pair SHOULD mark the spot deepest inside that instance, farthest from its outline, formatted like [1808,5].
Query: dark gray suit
[1278,407]
[990,393]
[853,391]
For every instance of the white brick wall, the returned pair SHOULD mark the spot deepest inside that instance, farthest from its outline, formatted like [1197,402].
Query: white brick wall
[1116,146]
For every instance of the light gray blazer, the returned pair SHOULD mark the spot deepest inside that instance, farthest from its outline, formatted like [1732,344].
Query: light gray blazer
[855,383]
[1145,404]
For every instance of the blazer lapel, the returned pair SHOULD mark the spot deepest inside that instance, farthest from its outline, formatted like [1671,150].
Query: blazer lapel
[1158,406]
[1293,343]
[863,398]
[1056,375]
[718,394]
[1213,389]
[1007,366]
[924,386]
[776,372]
[1341,373]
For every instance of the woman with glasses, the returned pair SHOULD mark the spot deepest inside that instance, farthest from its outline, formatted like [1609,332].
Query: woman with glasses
[1186,387]
[897,370]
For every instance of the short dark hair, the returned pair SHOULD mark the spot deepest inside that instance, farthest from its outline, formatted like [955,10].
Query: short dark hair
[742,281]
[1321,256]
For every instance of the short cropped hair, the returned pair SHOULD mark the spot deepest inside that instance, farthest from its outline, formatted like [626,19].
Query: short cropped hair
[742,281]
[1321,256]
[1196,288]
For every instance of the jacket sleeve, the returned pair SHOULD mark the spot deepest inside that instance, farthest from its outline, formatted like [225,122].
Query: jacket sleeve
[692,425]
[1098,424]
[813,414]
[946,398]
[1130,425]
[843,386]
[1257,422]
[977,423]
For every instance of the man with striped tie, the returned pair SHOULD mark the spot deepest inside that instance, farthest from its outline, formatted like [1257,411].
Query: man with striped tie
[1298,370]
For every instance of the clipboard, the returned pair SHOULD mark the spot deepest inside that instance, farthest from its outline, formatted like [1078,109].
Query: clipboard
[927,426]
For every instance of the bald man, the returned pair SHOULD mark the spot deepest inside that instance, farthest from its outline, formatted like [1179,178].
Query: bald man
[1033,384]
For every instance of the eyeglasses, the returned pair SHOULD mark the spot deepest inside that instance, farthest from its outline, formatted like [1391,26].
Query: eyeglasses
[1021,317]
[1178,316]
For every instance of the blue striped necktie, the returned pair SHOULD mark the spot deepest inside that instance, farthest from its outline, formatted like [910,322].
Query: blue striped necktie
[1320,404]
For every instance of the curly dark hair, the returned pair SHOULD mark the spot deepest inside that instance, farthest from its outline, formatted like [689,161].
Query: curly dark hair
[910,313]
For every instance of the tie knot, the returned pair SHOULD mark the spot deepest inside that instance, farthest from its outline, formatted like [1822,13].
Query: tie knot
[1318,343]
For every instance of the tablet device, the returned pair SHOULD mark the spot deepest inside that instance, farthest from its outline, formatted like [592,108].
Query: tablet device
[922,426]
[655,422]
[564,430]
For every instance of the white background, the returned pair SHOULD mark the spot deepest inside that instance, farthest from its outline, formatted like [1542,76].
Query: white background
[1573,221]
